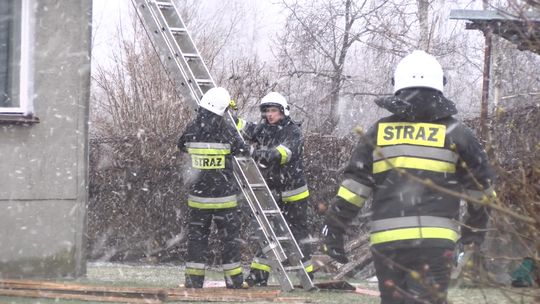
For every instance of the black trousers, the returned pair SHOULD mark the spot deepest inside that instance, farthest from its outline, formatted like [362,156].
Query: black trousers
[413,275]
[228,223]
[295,213]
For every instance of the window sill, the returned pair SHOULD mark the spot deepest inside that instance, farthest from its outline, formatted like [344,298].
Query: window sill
[18,119]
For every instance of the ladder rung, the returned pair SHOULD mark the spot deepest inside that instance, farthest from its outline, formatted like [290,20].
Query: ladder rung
[257,186]
[271,211]
[203,81]
[270,246]
[178,30]
[191,55]
[283,238]
[163,4]
[292,268]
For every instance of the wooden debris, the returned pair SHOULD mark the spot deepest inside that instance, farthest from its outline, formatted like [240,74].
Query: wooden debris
[359,255]
[73,291]
[78,291]
[222,295]
[73,296]
[61,286]
[324,263]
[367,292]
[335,285]
[57,290]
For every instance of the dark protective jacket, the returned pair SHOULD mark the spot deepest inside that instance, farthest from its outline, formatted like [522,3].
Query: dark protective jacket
[211,141]
[279,150]
[421,141]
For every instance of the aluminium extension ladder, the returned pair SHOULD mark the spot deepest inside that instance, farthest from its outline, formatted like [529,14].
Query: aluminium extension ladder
[187,70]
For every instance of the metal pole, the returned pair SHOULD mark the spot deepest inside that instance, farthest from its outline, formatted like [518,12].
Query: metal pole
[485,83]
[488,32]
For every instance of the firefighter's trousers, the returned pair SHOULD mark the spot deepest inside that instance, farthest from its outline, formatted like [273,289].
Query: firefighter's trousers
[413,275]
[227,222]
[295,213]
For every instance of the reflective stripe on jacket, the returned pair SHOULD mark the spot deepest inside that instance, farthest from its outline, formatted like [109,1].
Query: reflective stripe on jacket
[212,202]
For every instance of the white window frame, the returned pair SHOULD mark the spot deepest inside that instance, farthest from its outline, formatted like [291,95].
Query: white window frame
[26,66]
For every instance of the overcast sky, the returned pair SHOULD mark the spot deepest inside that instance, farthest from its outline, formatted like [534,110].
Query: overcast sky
[263,19]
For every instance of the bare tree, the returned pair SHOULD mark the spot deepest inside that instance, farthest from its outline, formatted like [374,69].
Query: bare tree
[316,42]
[423,13]
[134,171]
[248,81]
[216,31]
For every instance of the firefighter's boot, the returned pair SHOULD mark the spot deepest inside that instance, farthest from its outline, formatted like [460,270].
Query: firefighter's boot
[257,277]
[194,281]
[235,281]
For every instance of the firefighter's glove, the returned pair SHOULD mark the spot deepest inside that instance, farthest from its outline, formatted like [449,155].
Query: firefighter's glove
[333,244]
[260,157]
[232,105]
[246,150]
[251,150]
[471,238]
[256,154]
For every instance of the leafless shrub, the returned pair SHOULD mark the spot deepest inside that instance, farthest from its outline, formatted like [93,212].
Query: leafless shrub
[516,153]
[135,177]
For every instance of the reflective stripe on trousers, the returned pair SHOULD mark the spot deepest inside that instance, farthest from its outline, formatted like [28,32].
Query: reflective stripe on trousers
[484,195]
[261,264]
[195,269]
[232,269]
[308,266]
[295,194]
[264,265]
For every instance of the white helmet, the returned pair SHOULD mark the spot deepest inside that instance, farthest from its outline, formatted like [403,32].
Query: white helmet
[418,69]
[274,99]
[216,100]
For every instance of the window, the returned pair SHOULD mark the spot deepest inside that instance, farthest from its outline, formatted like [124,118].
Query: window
[16,89]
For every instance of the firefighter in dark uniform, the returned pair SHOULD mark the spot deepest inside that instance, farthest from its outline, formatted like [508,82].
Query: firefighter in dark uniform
[211,141]
[414,226]
[279,147]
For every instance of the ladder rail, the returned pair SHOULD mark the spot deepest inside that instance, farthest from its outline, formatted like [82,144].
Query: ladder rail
[145,12]
[270,236]
[258,212]
[149,8]
[152,9]
[274,247]
[192,80]
[261,212]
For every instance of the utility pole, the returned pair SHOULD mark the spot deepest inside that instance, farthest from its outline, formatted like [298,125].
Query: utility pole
[488,33]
